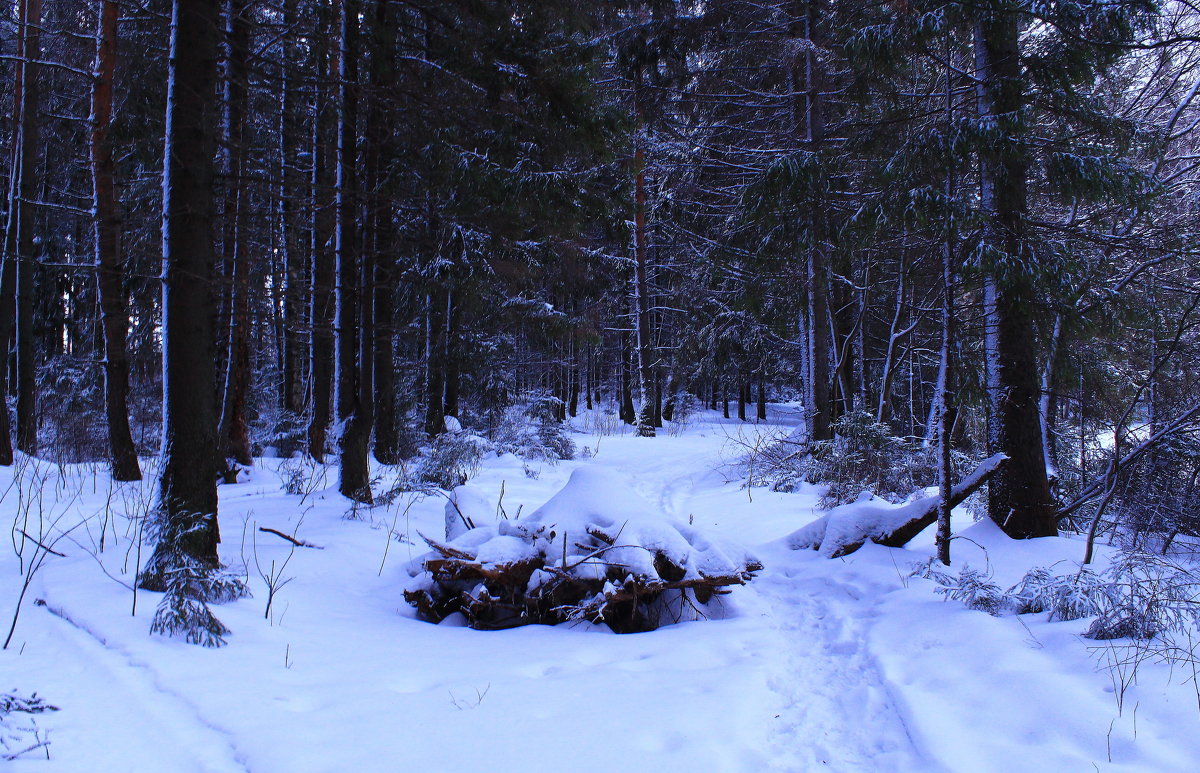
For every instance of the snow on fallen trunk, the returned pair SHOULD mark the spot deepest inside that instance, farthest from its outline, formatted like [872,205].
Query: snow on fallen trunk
[595,551]
[846,528]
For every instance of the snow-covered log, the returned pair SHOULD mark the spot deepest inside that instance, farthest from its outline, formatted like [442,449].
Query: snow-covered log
[845,529]
[595,551]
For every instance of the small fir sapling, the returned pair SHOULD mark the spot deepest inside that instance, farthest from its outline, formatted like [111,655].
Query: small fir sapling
[187,583]
[17,738]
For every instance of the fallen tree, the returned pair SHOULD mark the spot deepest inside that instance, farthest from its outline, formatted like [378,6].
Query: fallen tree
[846,528]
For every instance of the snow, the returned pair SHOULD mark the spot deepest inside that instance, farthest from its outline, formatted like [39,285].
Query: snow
[467,505]
[818,664]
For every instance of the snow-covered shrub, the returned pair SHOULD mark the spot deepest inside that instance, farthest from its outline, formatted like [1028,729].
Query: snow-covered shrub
[864,455]
[1145,595]
[1062,597]
[972,587]
[71,395]
[1140,596]
[20,737]
[282,430]
[301,476]
[452,459]
[1161,499]
[183,612]
[595,551]
[534,432]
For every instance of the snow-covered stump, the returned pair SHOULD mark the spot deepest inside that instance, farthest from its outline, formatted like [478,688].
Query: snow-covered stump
[596,551]
[846,528]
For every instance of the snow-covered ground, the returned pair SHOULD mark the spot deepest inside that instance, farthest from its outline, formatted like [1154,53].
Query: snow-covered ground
[845,665]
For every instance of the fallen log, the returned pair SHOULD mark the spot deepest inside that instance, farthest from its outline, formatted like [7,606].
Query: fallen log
[847,528]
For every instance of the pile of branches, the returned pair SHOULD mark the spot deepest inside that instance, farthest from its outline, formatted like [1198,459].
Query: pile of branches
[537,588]
[624,567]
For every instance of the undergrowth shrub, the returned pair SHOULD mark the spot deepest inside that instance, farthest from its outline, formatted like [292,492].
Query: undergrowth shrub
[972,587]
[1140,596]
[1160,499]
[283,430]
[1061,597]
[534,432]
[864,455]
[1146,595]
[21,737]
[451,460]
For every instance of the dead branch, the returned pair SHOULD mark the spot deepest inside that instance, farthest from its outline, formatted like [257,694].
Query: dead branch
[297,542]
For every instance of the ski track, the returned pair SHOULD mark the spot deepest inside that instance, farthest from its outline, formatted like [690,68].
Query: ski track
[166,715]
[837,710]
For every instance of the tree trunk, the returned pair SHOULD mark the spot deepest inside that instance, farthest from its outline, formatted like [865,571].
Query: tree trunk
[190,444]
[641,297]
[321,309]
[1048,403]
[383,43]
[453,367]
[895,336]
[1019,496]
[234,429]
[29,147]
[628,413]
[947,399]
[818,389]
[352,325]
[291,385]
[435,373]
[18,231]
[114,318]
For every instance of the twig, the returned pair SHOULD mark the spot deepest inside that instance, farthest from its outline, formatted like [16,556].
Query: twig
[297,542]
[39,544]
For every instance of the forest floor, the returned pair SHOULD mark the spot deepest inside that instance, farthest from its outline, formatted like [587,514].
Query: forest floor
[843,665]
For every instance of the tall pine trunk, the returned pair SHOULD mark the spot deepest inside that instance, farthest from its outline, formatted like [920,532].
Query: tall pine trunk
[435,371]
[188,488]
[29,145]
[810,81]
[383,43]
[18,231]
[1019,495]
[295,356]
[321,300]
[641,299]
[114,317]
[234,428]
[352,324]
